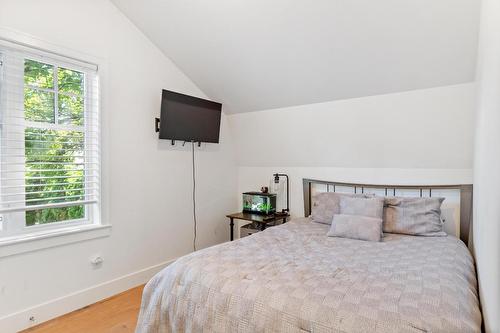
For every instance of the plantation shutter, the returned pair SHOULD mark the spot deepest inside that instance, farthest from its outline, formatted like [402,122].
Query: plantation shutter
[49,138]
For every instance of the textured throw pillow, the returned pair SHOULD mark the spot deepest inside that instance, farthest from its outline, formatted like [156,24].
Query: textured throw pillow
[413,216]
[327,204]
[356,227]
[371,207]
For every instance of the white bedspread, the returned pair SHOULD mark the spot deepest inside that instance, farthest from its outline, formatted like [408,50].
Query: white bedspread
[293,278]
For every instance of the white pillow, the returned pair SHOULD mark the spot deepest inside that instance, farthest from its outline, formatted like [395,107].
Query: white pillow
[356,227]
[371,207]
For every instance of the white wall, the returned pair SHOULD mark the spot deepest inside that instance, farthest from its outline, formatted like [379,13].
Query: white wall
[147,183]
[431,128]
[487,166]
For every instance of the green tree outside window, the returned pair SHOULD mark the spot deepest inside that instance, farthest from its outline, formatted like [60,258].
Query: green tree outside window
[54,96]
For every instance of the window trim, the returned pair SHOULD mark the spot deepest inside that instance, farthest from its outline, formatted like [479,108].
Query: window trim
[39,240]
[43,236]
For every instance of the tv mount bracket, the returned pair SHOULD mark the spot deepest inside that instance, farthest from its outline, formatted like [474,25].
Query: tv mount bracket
[172,142]
[157,123]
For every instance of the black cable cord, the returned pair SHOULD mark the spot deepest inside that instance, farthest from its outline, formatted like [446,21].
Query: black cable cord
[194,197]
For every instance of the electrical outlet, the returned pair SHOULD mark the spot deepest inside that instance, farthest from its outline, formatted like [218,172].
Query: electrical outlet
[97,261]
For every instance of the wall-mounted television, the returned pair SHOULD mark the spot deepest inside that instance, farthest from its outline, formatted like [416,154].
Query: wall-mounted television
[188,118]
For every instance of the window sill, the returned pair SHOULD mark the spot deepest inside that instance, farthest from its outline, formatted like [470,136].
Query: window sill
[51,238]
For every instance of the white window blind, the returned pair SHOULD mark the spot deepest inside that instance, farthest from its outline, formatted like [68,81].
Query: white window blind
[49,141]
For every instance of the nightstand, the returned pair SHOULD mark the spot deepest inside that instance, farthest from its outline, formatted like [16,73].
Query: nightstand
[262,220]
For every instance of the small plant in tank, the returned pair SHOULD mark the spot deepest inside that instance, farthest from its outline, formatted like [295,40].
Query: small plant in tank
[259,203]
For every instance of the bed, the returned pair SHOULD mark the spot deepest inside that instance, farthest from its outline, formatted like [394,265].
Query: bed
[292,278]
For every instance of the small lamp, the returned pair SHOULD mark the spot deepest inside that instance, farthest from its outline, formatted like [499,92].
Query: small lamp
[276,181]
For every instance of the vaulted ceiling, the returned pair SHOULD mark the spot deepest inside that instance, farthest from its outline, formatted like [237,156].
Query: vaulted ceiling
[261,54]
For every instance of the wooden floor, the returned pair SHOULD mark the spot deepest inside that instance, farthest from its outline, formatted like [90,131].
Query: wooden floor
[115,314]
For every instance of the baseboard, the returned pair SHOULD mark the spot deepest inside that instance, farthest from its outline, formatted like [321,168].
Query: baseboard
[45,311]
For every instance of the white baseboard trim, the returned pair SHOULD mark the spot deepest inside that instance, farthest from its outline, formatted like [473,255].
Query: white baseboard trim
[45,311]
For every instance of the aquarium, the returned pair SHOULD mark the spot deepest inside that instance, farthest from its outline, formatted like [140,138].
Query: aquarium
[259,203]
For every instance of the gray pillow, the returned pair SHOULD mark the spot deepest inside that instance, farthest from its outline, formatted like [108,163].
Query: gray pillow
[413,216]
[356,227]
[327,204]
[371,207]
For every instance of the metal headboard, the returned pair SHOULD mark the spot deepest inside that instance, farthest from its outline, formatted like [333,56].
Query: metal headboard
[465,197]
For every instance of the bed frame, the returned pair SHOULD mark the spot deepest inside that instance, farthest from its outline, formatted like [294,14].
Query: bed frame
[464,190]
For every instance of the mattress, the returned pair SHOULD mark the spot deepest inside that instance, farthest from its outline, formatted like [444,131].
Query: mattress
[293,278]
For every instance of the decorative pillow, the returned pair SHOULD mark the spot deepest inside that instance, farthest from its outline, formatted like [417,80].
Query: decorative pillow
[371,207]
[327,204]
[356,227]
[413,216]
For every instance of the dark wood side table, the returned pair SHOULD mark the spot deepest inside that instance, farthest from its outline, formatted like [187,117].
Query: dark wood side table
[262,220]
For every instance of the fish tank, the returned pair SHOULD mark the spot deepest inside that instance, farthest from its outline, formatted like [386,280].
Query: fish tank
[259,203]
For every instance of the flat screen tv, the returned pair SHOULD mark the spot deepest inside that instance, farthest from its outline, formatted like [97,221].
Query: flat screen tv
[188,118]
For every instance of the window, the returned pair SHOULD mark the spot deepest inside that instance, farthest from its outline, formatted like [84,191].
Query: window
[49,142]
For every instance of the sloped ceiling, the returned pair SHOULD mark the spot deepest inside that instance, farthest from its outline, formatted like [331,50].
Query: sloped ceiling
[260,54]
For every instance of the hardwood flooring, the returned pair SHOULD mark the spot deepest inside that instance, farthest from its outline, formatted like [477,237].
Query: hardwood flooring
[115,314]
